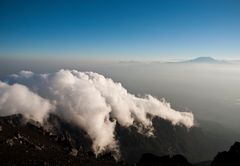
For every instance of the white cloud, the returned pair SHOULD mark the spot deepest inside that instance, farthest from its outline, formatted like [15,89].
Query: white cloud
[18,99]
[94,103]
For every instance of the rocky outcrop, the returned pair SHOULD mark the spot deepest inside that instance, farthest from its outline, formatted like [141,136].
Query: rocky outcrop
[228,158]
[27,143]
[149,159]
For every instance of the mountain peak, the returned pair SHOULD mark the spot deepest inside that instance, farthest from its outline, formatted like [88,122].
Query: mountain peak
[204,60]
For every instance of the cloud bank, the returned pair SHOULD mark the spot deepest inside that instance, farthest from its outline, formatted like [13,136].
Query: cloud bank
[18,99]
[88,100]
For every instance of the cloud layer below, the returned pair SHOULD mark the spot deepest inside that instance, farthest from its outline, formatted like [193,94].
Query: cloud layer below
[88,100]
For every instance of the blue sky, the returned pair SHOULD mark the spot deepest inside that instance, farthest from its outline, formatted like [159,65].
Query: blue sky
[120,29]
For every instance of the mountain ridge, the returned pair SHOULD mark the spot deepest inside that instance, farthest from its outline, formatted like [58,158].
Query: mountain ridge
[207,60]
[29,143]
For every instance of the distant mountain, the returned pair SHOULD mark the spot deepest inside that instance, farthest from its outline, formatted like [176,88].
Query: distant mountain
[208,60]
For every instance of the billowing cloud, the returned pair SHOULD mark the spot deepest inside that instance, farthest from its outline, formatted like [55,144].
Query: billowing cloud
[18,99]
[92,102]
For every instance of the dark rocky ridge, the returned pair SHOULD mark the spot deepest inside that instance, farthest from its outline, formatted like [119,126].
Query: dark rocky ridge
[151,159]
[228,158]
[168,140]
[30,144]
[59,143]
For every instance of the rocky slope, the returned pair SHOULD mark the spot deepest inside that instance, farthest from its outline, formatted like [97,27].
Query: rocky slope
[28,143]
[228,158]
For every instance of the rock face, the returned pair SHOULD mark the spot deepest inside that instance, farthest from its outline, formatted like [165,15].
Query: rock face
[149,159]
[228,158]
[168,140]
[133,144]
[26,143]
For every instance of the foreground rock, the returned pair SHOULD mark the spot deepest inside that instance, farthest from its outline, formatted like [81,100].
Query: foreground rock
[149,159]
[29,144]
[228,158]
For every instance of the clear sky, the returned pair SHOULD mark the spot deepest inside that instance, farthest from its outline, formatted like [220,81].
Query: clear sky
[120,29]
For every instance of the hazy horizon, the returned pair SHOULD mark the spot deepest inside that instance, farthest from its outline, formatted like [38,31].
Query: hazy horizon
[185,86]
